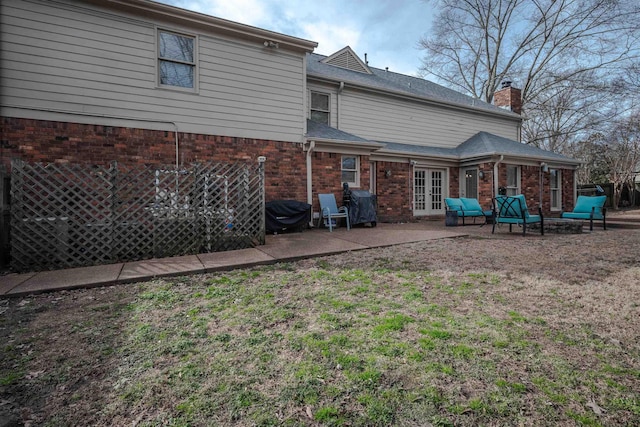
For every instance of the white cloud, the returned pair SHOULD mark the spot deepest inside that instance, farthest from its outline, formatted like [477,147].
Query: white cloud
[388,30]
[331,38]
[250,12]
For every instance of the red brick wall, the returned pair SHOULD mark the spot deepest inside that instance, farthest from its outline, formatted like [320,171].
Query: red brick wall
[454,182]
[395,192]
[530,187]
[62,142]
[285,169]
[485,185]
[567,189]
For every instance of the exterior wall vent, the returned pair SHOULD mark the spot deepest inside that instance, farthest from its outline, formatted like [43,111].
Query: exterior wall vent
[346,58]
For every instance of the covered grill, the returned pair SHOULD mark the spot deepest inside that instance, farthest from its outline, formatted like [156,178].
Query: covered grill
[362,206]
[281,215]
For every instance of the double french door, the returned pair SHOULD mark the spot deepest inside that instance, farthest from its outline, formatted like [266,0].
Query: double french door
[429,191]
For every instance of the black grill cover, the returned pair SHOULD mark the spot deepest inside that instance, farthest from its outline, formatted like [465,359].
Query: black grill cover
[362,207]
[283,215]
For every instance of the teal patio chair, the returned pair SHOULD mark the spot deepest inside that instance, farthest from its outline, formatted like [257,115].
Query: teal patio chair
[513,210]
[589,208]
[331,211]
[465,207]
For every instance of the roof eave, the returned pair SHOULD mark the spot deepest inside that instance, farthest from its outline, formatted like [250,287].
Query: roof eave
[401,153]
[347,144]
[189,18]
[541,158]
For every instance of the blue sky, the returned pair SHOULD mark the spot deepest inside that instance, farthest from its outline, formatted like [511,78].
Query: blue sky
[387,30]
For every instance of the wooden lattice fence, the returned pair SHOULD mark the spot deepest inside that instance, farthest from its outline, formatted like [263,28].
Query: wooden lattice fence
[66,215]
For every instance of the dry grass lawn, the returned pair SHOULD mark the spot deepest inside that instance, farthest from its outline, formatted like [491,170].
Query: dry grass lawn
[456,332]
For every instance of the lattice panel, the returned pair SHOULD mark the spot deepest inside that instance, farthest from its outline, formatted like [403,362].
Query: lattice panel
[74,215]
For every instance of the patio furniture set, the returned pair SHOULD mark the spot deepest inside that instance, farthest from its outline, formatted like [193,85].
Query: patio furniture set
[513,210]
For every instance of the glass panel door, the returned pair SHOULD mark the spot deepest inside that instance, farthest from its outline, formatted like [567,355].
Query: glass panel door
[428,191]
[420,192]
[436,185]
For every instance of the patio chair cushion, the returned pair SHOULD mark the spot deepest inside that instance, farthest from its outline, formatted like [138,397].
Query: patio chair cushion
[464,206]
[513,210]
[472,207]
[584,207]
[530,219]
[454,204]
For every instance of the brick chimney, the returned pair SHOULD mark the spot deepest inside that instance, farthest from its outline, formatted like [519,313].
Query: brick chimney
[508,97]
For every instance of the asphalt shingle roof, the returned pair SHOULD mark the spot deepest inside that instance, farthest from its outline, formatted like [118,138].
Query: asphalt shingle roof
[395,82]
[484,143]
[479,145]
[322,131]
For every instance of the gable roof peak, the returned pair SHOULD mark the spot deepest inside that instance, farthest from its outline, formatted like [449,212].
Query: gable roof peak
[347,58]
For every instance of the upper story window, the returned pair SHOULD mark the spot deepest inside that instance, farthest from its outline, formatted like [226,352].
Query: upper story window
[513,180]
[350,170]
[555,180]
[176,60]
[320,107]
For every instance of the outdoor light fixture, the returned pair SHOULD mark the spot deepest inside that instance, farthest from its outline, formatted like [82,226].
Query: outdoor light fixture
[544,166]
[271,43]
[387,173]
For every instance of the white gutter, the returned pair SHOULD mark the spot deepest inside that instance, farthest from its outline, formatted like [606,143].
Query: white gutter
[495,175]
[312,146]
[166,12]
[575,187]
[340,89]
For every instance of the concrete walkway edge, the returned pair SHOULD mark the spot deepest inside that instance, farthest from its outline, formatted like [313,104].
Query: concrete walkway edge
[278,248]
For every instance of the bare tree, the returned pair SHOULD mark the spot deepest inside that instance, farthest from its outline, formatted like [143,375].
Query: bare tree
[571,109]
[590,151]
[622,155]
[610,157]
[566,55]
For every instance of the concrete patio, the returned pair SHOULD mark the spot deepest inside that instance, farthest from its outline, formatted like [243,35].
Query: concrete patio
[278,248]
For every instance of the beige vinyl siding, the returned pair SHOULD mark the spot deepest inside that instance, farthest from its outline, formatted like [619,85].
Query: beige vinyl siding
[384,118]
[77,59]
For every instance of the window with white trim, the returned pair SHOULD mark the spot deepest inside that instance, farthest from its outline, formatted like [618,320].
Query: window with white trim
[320,111]
[513,180]
[555,185]
[176,60]
[351,170]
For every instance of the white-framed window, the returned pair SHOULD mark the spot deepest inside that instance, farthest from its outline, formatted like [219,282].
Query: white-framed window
[350,166]
[320,108]
[176,60]
[555,185]
[513,180]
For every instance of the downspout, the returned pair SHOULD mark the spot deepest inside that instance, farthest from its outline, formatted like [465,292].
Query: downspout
[495,175]
[177,146]
[575,187]
[310,148]
[340,89]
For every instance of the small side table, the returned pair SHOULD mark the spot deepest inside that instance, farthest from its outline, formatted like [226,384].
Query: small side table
[451,218]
